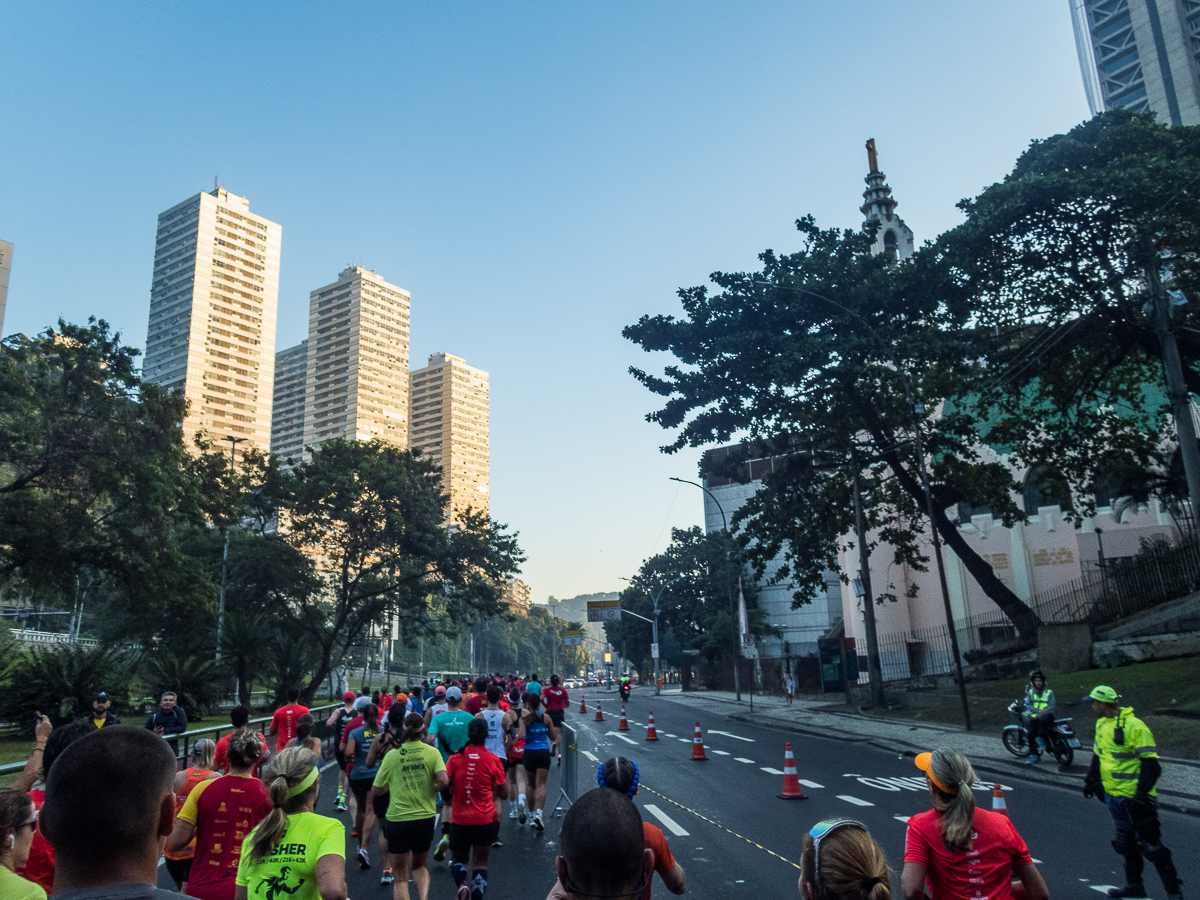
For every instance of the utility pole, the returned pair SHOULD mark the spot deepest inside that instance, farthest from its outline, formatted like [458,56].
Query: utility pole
[874,669]
[233,442]
[1177,391]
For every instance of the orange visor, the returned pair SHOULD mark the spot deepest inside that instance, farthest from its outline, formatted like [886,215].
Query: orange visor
[924,762]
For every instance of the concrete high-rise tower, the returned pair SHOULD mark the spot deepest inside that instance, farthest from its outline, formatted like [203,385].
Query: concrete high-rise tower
[1140,54]
[213,301]
[287,408]
[893,237]
[357,383]
[6,251]
[449,422]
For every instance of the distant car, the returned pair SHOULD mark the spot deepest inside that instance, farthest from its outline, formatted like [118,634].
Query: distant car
[592,682]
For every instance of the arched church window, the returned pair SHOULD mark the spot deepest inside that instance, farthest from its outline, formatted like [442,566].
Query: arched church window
[889,243]
[1044,488]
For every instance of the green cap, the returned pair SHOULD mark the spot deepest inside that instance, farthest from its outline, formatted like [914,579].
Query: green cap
[1103,693]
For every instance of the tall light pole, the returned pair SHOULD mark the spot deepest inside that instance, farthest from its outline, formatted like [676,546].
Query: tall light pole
[654,623]
[737,684]
[233,442]
[915,411]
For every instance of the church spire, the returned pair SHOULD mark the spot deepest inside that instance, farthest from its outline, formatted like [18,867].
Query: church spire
[893,237]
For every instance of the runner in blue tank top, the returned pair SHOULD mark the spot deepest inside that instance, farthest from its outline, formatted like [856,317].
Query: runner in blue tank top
[538,731]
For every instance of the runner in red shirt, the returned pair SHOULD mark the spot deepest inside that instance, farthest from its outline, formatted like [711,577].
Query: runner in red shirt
[555,699]
[478,700]
[283,723]
[960,851]
[476,779]
[239,717]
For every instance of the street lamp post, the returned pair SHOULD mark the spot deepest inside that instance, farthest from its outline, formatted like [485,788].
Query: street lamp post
[737,684]
[233,442]
[915,410]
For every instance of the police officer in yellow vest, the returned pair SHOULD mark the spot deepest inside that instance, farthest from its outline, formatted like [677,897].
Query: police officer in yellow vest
[1039,712]
[1124,770]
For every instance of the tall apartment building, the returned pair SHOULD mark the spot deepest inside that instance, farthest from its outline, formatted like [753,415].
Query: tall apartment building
[213,302]
[356,384]
[287,407]
[1140,54]
[449,422]
[6,251]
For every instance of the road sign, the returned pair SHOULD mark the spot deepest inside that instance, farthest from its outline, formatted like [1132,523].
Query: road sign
[691,652]
[654,651]
[608,659]
[603,610]
[572,638]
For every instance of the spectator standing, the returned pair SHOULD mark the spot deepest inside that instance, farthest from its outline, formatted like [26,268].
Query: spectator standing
[962,851]
[218,815]
[18,819]
[408,781]
[603,850]
[789,687]
[168,719]
[294,851]
[239,717]
[283,723]
[840,860]
[114,845]
[101,717]
[199,769]
[1124,774]
[477,783]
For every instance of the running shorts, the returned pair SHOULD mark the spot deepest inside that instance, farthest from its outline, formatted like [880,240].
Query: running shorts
[447,796]
[536,759]
[464,837]
[179,869]
[413,836]
[361,787]
[556,716]
[512,762]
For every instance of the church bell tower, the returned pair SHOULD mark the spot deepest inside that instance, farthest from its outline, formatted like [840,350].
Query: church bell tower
[894,238]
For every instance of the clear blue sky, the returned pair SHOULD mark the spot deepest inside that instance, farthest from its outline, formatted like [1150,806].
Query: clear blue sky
[538,175]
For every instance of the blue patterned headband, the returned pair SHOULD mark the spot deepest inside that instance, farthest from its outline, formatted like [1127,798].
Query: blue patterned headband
[632,788]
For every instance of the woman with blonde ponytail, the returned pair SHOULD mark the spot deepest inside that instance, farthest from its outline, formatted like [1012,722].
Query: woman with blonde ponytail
[841,861]
[964,852]
[294,851]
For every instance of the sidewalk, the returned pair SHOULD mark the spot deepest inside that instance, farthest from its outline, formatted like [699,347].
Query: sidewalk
[1178,789]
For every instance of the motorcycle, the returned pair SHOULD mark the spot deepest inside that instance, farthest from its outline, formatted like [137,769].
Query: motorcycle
[624,692]
[1059,739]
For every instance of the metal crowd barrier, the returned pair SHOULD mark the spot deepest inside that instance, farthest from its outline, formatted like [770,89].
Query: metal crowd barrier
[568,782]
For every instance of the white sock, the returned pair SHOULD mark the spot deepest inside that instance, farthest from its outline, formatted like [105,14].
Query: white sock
[521,799]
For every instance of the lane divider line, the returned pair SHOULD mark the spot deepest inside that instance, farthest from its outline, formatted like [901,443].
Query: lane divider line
[718,752]
[718,825]
[590,756]
[810,784]
[771,771]
[855,800]
[903,819]
[743,759]
[674,827]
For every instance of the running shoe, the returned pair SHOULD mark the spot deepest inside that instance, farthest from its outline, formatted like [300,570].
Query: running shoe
[512,813]
[522,812]
[387,877]
[353,832]
[364,861]
[537,822]
[440,852]
[497,843]
[464,892]
[341,806]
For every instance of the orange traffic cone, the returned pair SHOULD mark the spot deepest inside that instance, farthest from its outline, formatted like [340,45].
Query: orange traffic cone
[791,782]
[582,704]
[651,734]
[998,804]
[599,715]
[698,745]
[623,725]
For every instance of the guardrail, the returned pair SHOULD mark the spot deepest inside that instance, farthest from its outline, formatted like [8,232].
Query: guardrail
[50,637]
[216,732]
[568,781]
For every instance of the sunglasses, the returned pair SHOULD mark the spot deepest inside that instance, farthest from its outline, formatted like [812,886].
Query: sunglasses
[821,830]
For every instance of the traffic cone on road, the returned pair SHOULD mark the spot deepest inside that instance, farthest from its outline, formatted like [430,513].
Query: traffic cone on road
[698,745]
[599,715]
[623,725]
[583,704]
[791,781]
[651,734]
[998,804]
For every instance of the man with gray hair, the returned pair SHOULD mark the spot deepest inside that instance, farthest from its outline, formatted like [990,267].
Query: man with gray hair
[168,719]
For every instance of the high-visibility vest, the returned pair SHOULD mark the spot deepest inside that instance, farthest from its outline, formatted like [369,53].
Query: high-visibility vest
[1121,764]
[1039,702]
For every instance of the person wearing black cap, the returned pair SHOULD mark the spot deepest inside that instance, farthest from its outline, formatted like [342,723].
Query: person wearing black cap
[101,717]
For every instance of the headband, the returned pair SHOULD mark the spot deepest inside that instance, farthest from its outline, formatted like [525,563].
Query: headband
[632,788]
[304,784]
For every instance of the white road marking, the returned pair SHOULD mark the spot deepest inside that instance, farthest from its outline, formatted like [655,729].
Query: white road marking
[743,759]
[686,740]
[1036,862]
[1102,888]
[671,824]
[810,784]
[736,737]
[771,771]
[668,735]
[718,752]
[902,818]
[590,756]
[855,800]
[618,734]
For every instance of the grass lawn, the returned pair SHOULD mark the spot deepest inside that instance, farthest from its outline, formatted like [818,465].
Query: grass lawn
[1152,689]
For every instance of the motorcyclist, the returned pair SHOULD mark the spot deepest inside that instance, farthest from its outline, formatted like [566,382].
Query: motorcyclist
[624,686]
[1038,716]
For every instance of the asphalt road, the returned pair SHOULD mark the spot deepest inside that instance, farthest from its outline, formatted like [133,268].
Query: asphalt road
[735,837]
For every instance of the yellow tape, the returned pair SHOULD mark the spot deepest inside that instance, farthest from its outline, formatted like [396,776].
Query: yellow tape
[718,825]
